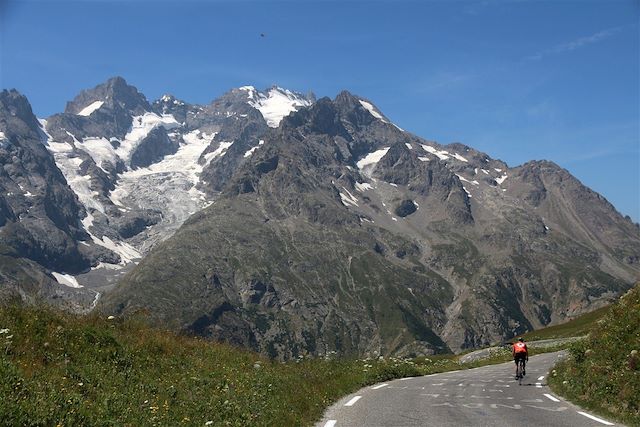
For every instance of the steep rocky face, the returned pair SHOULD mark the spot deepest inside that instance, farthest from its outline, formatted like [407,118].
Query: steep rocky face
[343,233]
[297,280]
[39,213]
[139,169]
[325,226]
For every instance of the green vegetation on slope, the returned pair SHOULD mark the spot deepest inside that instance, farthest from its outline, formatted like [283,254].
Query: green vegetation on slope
[58,369]
[603,371]
[576,327]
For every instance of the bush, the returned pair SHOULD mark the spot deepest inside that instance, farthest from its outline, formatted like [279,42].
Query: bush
[603,371]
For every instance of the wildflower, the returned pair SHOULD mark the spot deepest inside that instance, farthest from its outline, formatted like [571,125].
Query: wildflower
[111,317]
[208,423]
[4,331]
[256,365]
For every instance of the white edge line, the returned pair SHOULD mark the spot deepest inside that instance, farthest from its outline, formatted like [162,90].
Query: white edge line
[595,418]
[538,385]
[541,378]
[330,423]
[352,401]
[379,386]
[551,397]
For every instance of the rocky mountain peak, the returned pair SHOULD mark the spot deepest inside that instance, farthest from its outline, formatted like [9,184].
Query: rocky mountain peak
[322,118]
[15,112]
[113,94]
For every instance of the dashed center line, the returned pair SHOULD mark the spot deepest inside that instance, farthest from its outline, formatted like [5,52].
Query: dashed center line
[538,385]
[541,378]
[379,386]
[352,401]
[596,418]
[551,397]
[330,423]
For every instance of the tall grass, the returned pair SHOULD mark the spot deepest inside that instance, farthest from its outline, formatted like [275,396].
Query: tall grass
[58,369]
[602,372]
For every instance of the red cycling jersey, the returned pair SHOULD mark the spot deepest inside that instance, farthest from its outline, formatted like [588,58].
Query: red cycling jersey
[519,348]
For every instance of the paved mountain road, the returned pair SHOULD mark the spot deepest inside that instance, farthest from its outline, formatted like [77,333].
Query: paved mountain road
[487,396]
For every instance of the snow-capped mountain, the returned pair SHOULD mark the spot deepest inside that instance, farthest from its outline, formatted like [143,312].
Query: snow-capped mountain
[290,224]
[137,167]
[344,233]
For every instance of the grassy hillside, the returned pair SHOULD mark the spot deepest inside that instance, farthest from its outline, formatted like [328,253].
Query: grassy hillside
[603,371]
[576,327]
[58,369]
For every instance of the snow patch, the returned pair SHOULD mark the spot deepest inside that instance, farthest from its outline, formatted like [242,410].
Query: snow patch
[348,199]
[252,149]
[363,186]
[127,252]
[218,152]
[276,104]
[368,162]
[462,178]
[409,146]
[140,128]
[86,111]
[459,157]
[501,179]
[67,280]
[443,155]
[100,150]
[424,159]
[371,109]
[497,170]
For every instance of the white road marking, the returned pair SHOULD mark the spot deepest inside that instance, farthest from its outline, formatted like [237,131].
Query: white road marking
[495,406]
[596,418]
[543,408]
[330,423]
[551,397]
[352,401]
[538,385]
[379,386]
[541,378]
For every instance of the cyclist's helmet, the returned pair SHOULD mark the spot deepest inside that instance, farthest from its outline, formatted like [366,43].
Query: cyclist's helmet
[520,339]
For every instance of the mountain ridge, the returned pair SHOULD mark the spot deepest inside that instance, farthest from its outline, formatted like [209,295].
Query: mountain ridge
[444,227]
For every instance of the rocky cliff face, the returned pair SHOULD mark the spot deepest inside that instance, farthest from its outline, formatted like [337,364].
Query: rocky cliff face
[134,170]
[38,212]
[295,226]
[343,233]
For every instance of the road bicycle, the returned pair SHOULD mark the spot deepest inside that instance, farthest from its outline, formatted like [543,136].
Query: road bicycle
[520,370]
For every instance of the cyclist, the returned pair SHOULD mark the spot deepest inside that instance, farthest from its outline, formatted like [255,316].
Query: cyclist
[520,352]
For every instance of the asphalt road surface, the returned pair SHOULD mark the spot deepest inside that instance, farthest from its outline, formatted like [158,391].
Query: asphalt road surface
[487,396]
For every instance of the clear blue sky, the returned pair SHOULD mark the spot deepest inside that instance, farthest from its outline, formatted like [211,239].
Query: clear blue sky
[519,80]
